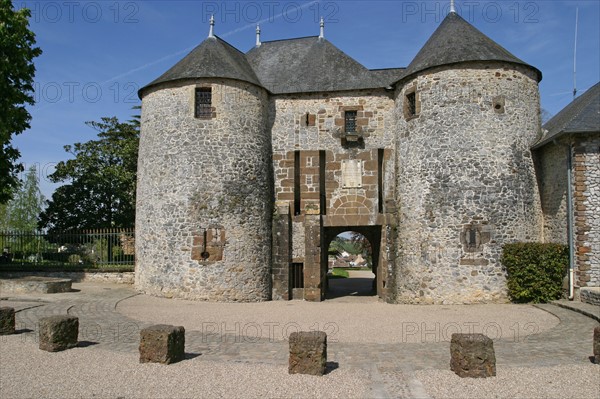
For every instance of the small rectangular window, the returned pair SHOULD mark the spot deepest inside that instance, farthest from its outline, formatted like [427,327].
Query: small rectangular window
[350,121]
[297,275]
[203,103]
[411,104]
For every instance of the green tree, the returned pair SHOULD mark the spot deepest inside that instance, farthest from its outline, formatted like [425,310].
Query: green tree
[22,211]
[363,246]
[339,245]
[3,217]
[101,181]
[17,71]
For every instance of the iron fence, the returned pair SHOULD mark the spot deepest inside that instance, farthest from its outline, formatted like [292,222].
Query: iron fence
[103,248]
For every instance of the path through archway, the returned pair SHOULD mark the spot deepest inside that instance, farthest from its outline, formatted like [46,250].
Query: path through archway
[352,262]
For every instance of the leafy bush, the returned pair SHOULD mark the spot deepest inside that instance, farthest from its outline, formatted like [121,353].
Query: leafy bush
[535,271]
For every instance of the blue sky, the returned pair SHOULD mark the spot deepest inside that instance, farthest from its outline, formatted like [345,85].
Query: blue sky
[97,54]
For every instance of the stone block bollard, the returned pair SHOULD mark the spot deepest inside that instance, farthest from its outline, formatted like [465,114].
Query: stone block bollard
[58,333]
[597,345]
[162,344]
[308,352]
[472,355]
[7,321]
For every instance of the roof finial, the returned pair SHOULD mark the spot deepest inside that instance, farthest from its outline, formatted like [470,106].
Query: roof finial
[257,35]
[322,34]
[211,32]
[452,8]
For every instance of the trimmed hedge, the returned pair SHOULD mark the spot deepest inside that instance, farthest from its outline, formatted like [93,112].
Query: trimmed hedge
[535,271]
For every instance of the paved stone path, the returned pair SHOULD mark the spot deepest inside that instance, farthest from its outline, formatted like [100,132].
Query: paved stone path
[390,366]
[357,287]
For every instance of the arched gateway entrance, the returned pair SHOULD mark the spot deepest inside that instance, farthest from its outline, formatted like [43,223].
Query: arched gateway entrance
[361,286]
[328,192]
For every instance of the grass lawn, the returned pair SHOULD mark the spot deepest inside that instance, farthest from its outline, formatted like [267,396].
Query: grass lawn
[338,272]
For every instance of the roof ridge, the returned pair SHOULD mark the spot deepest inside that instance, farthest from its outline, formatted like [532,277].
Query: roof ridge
[585,98]
[579,116]
[288,39]
[230,45]
[385,69]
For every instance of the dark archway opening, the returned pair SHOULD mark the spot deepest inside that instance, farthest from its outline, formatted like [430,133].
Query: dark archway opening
[351,262]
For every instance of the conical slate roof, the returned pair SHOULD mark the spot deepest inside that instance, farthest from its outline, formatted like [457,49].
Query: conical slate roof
[313,64]
[213,58]
[580,116]
[454,41]
[309,64]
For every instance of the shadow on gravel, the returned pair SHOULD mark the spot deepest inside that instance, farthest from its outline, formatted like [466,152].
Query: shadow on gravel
[330,366]
[85,344]
[23,331]
[189,356]
[353,286]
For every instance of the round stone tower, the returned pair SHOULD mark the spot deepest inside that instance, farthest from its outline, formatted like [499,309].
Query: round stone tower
[204,190]
[468,114]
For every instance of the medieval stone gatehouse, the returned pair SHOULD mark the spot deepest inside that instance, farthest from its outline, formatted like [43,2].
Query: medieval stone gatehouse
[250,164]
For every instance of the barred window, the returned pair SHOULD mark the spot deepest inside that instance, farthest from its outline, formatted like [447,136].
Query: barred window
[203,103]
[297,275]
[350,121]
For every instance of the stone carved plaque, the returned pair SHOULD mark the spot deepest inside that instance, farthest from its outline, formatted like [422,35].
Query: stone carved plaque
[352,171]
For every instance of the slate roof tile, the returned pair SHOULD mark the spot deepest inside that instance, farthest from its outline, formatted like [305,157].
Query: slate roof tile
[457,41]
[582,115]
[311,64]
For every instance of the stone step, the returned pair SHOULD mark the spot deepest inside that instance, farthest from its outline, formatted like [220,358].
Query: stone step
[34,284]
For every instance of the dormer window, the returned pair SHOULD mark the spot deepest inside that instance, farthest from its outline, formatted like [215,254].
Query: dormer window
[350,121]
[203,103]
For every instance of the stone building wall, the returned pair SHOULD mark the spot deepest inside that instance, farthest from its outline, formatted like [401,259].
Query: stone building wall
[312,122]
[465,180]
[309,145]
[204,199]
[586,203]
[552,180]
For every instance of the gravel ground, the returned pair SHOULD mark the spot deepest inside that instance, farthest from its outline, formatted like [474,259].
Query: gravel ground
[344,321]
[573,381]
[91,372]
[27,372]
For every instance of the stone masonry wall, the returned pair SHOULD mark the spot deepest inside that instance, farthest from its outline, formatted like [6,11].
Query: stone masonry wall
[552,178]
[325,116]
[311,126]
[586,203]
[466,182]
[204,200]
[315,122]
